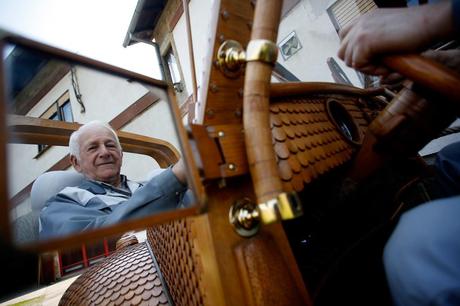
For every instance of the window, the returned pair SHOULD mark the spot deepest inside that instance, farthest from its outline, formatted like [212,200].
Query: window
[342,12]
[86,255]
[60,110]
[173,69]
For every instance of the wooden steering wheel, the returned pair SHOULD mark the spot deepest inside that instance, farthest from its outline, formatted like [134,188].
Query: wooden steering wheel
[428,73]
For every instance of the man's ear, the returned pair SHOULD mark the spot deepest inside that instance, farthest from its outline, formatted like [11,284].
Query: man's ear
[75,163]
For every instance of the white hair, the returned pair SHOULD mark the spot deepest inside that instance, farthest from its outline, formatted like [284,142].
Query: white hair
[74,140]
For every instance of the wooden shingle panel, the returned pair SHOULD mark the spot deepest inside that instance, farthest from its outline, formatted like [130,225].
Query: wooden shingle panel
[306,141]
[127,277]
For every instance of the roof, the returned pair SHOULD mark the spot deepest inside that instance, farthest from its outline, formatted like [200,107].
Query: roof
[144,20]
[23,65]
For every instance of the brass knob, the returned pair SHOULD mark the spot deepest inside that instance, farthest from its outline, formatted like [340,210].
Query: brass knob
[246,216]
[231,58]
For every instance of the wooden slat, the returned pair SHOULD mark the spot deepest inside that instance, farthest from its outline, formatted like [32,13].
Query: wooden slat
[35,130]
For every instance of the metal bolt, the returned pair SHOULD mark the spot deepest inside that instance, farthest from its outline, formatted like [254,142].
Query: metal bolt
[220,134]
[213,87]
[221,38]
[210,113]
[225,14]
[231,167]
[238,112]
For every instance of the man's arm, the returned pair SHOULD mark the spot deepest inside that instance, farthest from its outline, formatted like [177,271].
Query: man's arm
[179,171]
[400,30]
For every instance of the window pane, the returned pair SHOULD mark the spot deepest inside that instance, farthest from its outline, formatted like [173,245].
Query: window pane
[66,111]
[41,147]
[173,68]
[54,116]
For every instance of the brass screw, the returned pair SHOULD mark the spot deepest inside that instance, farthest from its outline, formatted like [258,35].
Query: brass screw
[220,134]
[214,88]
[231,167]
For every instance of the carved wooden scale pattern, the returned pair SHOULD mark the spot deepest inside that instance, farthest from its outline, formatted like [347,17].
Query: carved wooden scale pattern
[306,141]
[173,249]
[127,277]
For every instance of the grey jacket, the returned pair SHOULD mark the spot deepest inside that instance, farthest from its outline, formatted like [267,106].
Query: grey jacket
[93,205]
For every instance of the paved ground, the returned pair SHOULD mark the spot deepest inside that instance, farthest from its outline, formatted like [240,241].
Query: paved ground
[48,296]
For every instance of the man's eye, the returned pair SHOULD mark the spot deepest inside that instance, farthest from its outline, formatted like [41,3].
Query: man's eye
[92,148]
[111,145]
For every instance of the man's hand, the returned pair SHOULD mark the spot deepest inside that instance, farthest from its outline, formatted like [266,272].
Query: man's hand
[179,171]
[386,31]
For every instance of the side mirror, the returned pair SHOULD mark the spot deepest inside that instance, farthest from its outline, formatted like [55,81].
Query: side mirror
[46,93]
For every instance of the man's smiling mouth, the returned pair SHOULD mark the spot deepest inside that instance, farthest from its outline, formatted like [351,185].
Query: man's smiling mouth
[106,163]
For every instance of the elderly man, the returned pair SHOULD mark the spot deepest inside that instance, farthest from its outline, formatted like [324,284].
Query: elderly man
[105,197]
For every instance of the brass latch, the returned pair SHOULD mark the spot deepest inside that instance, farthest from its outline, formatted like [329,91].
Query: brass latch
[231,57]
[246,216]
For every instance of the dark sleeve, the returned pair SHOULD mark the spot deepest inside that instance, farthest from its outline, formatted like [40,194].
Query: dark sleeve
[63,215]
[456,15]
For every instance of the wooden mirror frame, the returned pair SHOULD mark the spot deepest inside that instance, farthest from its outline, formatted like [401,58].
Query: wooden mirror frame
[34,130]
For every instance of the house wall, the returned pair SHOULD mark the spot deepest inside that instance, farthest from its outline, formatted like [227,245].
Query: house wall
[319,40]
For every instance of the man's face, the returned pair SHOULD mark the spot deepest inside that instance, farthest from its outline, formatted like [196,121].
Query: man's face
[100,158]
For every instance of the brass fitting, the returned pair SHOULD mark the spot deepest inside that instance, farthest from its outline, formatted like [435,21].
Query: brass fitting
[231,56]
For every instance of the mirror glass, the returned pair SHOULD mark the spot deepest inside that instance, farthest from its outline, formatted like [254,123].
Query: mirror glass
[48,94]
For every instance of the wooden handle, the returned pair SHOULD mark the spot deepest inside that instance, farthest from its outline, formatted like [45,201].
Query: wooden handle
[428,73]
[261,157]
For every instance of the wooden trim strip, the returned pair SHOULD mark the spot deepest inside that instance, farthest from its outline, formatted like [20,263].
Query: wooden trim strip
[133,111]
[177,14]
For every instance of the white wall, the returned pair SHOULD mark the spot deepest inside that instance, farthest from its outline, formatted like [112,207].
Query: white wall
[319,40]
